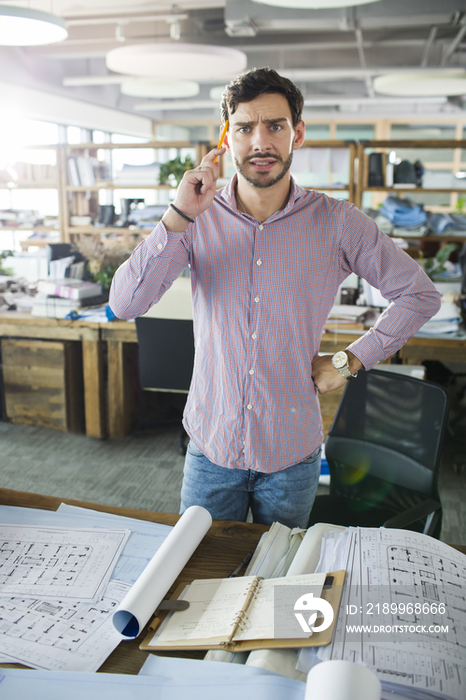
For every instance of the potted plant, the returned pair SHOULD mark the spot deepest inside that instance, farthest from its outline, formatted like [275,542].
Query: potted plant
[436,266]
[171,172]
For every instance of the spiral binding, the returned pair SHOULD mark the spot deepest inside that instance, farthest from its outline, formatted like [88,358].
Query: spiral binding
[241,618]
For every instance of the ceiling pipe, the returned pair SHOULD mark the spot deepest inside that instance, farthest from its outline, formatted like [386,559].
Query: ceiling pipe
[428,46]
[317,101]
[297,74]
[127,19]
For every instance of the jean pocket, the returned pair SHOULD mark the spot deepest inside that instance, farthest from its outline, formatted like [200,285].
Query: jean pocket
[313,457]
[194,450]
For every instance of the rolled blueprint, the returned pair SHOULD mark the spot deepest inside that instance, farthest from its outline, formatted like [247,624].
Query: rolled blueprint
[342,680]
[161,572]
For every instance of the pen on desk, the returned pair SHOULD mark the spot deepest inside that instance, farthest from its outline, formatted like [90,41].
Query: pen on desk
[245,561]
[222,136]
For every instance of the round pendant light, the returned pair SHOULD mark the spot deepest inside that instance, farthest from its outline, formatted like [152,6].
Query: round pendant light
[314,4]
[216,93]
[176,61]
[22,26]
[162,89]
[422,83]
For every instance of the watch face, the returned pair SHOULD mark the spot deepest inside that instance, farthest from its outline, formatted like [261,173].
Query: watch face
[340,359]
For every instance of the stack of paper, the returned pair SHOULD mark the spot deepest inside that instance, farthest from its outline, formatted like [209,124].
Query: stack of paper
[62,576]
[402,611]
[69,288]
[446,320]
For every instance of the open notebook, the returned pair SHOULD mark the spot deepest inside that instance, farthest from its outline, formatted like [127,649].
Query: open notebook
[248,613]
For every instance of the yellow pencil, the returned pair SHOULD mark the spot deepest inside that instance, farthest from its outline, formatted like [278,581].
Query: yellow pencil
[224,131]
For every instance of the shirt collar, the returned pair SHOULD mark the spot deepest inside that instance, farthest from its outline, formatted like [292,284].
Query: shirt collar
[228,195]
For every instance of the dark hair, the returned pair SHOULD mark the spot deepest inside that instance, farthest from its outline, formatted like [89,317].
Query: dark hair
[259,81]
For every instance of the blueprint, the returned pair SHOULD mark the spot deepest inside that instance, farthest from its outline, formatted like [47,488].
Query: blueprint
[58,634]
[414,586]
[144,540]
[57,562]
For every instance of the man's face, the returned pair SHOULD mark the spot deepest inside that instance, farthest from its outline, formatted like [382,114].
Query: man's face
[261,139]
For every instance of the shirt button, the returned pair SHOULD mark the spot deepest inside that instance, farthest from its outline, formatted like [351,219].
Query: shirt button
[251,371]
[256,299]
[261,228]
[254,336]
[259,262]
[159,246]
[249,406]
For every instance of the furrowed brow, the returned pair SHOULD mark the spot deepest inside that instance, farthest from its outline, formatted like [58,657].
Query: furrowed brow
[278,120]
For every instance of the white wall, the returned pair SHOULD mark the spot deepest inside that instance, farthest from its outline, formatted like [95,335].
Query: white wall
[36,104]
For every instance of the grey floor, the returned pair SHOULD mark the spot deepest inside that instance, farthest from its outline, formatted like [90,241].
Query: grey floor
[144,470]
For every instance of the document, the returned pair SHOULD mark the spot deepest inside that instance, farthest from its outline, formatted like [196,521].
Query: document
[152,585]
[172,679]
[59,634]
[243,613]
[54,562]
[412,585]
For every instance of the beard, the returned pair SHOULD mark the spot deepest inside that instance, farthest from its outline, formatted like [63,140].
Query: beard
[263,179]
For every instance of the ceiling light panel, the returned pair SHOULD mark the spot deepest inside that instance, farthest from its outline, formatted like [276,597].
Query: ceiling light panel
[22,26]
[177,61]
[422,83]
[314,4]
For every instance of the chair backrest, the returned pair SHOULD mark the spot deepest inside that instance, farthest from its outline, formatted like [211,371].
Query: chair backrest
[166,353]
[385,443]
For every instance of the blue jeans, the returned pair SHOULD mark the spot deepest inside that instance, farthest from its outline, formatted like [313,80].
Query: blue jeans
[285,496]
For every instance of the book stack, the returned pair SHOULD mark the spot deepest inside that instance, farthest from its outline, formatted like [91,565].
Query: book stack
[56,307]
[69,288]
[57,298]
[347,317]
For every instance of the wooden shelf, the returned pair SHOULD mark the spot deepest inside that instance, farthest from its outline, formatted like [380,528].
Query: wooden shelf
[96,188]
[149,144]
[37,229]
[96,230]
[427,190]
[413,143]
[432,237]
[45,185]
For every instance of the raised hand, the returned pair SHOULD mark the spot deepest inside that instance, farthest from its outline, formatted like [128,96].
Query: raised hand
[196,192]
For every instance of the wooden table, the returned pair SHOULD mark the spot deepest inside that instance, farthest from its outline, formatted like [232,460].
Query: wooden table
[18,325]
[118,334]
[222,549]
[120,337]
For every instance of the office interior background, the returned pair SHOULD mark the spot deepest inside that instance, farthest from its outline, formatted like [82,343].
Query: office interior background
[133,86]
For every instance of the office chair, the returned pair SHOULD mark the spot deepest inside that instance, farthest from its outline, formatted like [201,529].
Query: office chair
[166,356]
[384,449]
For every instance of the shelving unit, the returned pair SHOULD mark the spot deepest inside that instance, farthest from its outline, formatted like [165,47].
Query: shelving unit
[89,191]
[38,184]
[354,189]
[390,145]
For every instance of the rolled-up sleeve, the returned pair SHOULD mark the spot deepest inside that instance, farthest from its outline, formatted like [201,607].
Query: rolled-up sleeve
[369,253]
[143,279]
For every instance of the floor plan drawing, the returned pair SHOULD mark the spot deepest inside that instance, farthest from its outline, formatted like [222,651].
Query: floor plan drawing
[54,562]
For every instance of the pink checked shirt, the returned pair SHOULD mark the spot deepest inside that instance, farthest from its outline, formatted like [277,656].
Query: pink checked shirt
[261,295]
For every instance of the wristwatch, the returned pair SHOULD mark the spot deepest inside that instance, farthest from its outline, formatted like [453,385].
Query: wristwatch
[340,362]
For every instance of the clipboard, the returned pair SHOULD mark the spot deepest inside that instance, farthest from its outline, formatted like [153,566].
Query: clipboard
[331,593]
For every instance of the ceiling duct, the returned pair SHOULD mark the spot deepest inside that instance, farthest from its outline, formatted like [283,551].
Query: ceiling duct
[385,13]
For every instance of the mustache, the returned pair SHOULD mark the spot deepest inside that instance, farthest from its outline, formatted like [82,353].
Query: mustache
[264,156]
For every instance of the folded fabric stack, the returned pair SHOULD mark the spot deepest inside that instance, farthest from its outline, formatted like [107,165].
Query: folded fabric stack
[403,212]
[453,223]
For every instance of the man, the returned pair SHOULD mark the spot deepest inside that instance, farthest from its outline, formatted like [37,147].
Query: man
[267,258]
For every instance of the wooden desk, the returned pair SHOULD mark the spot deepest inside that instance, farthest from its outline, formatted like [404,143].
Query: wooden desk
[118,334]
[222,549]
[447,349]
[18,325]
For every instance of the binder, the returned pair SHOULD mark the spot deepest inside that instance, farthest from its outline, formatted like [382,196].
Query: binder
[253,587]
